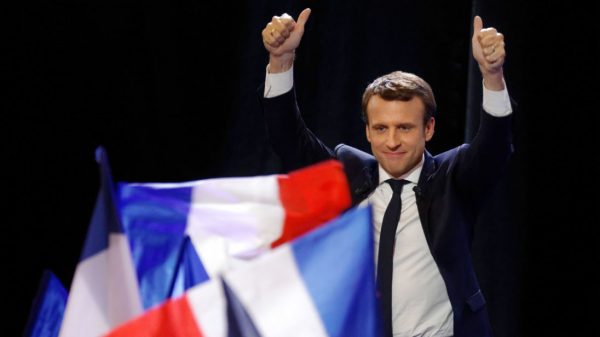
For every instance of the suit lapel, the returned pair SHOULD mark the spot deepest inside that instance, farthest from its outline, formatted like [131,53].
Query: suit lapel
[423,194]
[364,182]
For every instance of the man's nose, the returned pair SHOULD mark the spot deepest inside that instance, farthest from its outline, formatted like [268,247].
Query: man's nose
[392,140]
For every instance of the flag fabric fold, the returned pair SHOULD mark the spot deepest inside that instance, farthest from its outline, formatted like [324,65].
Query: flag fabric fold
[189,271]
[229,220]
[48,308]
[239,323]
[320,284]
[104,291]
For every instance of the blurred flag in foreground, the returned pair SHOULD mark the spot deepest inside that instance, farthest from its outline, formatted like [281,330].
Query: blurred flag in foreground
[48,308]
[104,292]
[321,284]
[229,220]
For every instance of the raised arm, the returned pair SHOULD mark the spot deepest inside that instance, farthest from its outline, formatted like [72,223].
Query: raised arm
[482,162]
[293,142]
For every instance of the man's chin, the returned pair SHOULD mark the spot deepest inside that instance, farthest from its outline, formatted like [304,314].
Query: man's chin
[394,172]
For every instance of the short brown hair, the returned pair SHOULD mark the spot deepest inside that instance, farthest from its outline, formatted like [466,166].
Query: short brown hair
[400,86]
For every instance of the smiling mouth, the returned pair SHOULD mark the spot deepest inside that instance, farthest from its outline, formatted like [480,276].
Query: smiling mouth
[394,154]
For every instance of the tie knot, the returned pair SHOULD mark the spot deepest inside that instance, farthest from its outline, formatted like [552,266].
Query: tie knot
[396,184]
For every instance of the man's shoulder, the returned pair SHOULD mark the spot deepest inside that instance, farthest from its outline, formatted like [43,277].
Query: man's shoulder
[346,153]
[355,161]
[451,154]
[360,168]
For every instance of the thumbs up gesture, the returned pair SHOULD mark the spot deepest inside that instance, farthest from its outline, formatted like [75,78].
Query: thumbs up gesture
[281,37]
[489,52]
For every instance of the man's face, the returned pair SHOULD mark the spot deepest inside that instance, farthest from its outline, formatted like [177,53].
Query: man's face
[397,133]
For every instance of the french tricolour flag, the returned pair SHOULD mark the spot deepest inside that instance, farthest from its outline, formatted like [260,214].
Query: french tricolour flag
[229,220]
[104,292]
[321,284]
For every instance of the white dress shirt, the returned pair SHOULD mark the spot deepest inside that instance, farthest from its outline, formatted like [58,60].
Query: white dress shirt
[420,303]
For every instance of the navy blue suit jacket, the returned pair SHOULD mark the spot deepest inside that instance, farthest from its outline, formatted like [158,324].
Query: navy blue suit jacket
[451,189]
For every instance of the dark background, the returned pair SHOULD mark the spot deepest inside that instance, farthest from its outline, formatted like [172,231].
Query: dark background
[170,89]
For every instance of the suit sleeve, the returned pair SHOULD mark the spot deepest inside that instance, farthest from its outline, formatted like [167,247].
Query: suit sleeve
[483,161]
[287,133]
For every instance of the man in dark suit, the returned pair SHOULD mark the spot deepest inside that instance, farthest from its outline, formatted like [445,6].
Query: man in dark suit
[434,290]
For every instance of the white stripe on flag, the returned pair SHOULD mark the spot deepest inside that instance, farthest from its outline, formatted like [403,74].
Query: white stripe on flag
[89,277]
[234,219]
[273,292]
[104,292]
[208,305]
[123,292]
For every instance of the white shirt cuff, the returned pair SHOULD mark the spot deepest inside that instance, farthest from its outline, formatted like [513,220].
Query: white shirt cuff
[496,103]
[279,83]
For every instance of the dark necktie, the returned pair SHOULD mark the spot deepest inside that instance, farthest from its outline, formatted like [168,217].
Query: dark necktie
[385,264]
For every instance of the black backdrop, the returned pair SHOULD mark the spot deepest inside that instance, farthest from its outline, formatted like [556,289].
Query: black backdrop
[170,89]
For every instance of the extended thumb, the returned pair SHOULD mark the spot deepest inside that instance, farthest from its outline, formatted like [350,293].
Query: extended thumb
[303,17]
[477,24]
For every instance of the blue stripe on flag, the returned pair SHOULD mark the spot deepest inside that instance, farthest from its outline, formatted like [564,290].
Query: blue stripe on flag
[48,308]
[155,220]
[105,218]
[189,270]
[337,264]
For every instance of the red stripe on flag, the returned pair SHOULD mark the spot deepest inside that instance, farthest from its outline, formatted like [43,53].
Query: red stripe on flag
[172,318]
[312,196]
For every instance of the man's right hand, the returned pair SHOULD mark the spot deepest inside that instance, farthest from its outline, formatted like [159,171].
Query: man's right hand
[281,37]
[489,52]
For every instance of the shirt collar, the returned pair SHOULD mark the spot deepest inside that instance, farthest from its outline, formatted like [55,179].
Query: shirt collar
[412,175]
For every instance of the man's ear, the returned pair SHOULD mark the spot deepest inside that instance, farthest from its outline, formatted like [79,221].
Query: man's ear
[429,129]
[367,132]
